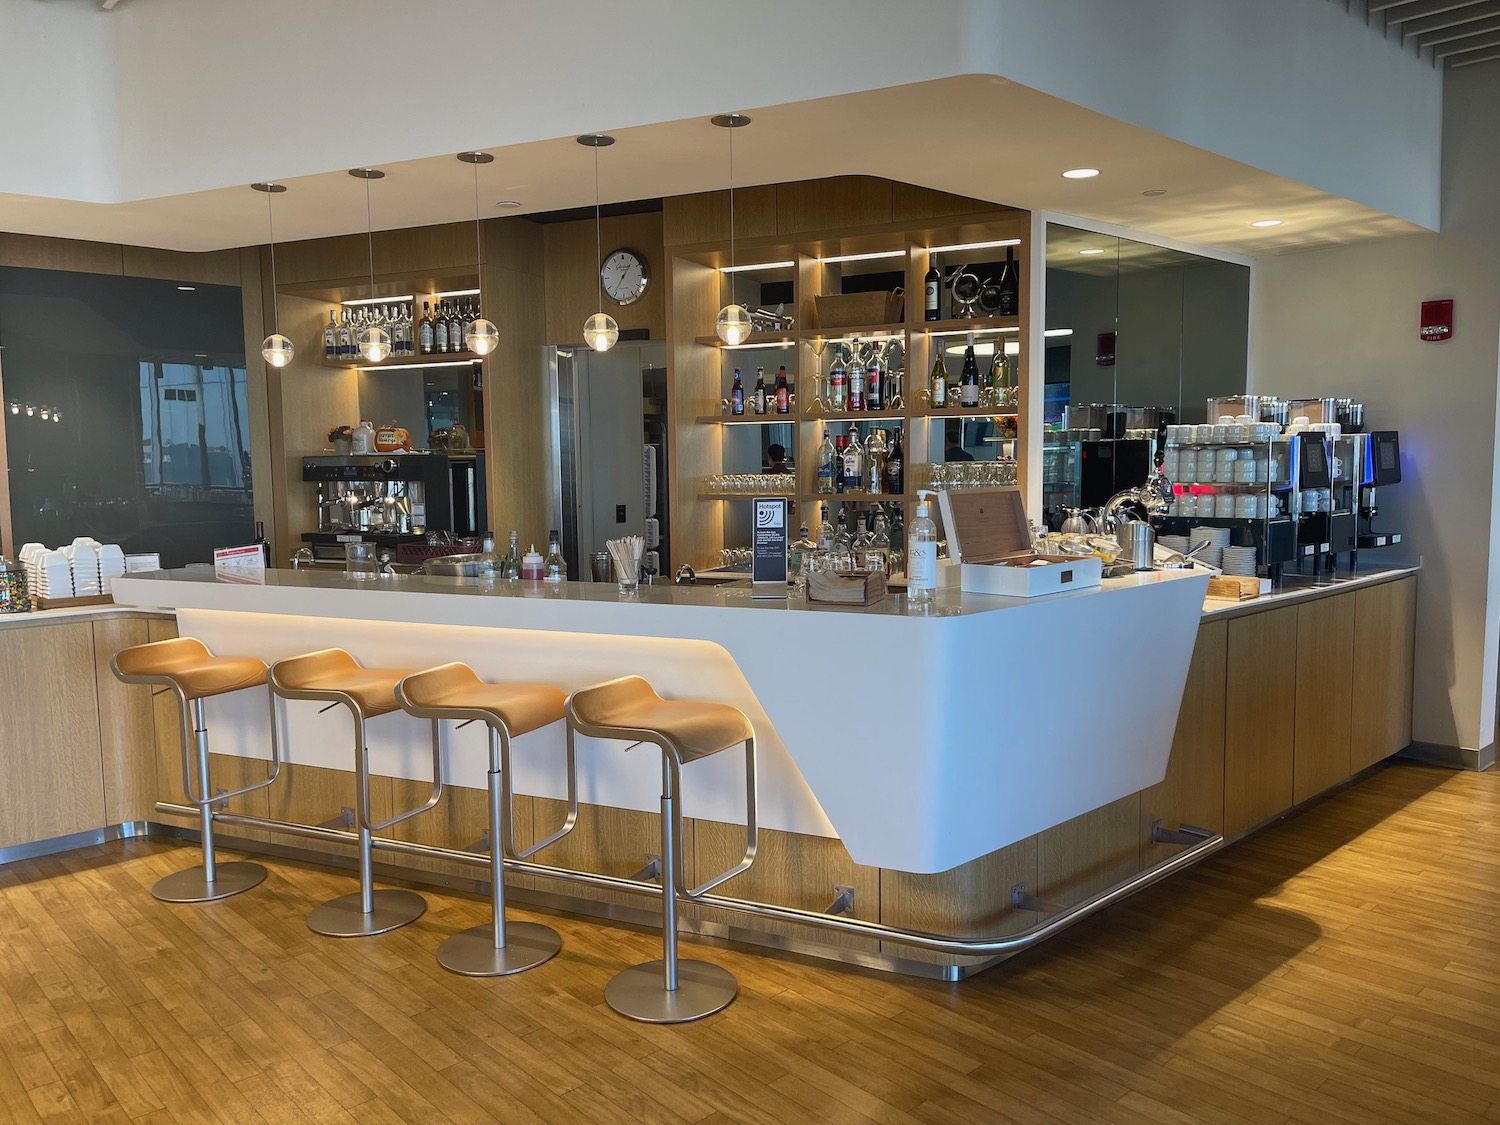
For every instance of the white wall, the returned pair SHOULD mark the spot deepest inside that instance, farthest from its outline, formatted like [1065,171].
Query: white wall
[1344,322]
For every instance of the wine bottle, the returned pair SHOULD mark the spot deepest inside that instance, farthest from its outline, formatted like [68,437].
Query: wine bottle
[440,325]
[938,391]
[265,547]
[932,287]
[895,476]
[1010,284]
[838,385]
[968,394]
[331,337]
[425,332]
[873,387]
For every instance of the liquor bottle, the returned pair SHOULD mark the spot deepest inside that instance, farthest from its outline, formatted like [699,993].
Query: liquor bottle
[783,392]
[510,568]
[409,330]
[346,336]
[799,558]
[838,384]
[458,330]
[876,451]
[880,547]
[843,543]
[823,557]
[874,387]
[331,336]
[758,397]
[938,391]
[440,325]
[932,287]
[400,333]
[895,469]
[737,395]
[854,464]
[826,459]
[554,569]
[864,544]
[838,463]
[969,383]
[424,332]
[921,554]
[856,397]
[265,547]
[1010,284]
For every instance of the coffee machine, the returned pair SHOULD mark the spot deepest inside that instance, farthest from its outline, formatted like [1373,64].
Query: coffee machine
[391,499]
[1381,467]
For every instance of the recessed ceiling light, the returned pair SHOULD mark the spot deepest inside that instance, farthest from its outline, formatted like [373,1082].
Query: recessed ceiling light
[1092,250]
[1152,193]
[1266,223]
[187,288]
[1080,173]
[200,355]
[509,203]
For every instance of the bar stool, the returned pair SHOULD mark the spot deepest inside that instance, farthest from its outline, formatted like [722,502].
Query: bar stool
[333,676]
[453,691]
[669,990]
[185,667]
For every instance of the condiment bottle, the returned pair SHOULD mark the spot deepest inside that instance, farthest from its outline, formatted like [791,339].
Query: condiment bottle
[531,565]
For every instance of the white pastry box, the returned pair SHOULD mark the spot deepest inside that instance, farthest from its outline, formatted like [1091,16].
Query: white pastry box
[989,548]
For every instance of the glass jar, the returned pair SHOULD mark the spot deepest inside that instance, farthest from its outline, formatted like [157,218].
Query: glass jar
[15,597]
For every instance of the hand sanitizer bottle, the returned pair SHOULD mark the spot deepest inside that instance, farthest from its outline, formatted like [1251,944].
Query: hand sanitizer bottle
[921,554]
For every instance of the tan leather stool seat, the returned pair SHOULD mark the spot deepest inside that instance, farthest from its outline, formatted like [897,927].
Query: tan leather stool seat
[455,687]
[373,689]
[187,663]
[630,705]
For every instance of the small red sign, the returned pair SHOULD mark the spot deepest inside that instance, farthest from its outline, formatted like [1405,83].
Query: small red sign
[1437,321]
[1104,350]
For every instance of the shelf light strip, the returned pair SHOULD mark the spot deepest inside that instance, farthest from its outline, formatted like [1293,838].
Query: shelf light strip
[378,300]
[973,245]
[974,331]
[444,363]
[1052,332]
[756,266]
[864,257]
[783,345]
[458,293]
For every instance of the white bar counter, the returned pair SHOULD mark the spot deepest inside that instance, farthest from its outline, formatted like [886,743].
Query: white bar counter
[921,739]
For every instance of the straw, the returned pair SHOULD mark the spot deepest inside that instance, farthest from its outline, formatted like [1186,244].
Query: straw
[626,554]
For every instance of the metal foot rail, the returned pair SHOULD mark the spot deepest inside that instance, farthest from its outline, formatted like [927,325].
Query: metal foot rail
[1206,842]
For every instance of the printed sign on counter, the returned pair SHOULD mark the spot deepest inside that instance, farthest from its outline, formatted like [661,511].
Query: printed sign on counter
[768,552]
[240,564]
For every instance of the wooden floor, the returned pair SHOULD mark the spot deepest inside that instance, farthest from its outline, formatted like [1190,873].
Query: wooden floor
[1343,966]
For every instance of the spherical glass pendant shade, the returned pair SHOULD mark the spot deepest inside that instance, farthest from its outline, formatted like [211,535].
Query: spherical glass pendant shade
[483,337]
[733,325]
[374,344]
[600,332]
[277,350]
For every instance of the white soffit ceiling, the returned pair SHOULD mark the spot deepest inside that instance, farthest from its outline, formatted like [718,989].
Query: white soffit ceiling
[974,135]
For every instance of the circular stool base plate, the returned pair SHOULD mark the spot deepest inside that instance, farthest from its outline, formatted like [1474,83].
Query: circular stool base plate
[639,992]
[342,917]
[191,886]
[472,953]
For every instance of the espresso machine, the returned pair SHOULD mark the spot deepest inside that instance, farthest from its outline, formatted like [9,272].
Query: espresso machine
[1381,467]
[393,499]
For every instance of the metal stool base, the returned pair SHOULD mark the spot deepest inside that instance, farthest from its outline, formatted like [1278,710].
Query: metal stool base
[639,993]
[342,917]
[191,886]
[472,953]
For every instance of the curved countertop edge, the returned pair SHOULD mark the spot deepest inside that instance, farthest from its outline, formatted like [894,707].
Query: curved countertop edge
[1299,588]
[78,614]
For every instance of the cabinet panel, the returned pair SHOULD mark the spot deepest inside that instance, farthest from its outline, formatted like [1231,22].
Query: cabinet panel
[1259,704]
[970,900]
[1089,853]
[127,728]
[53,785]
[1384,635]
[1193,790]
[1325,685]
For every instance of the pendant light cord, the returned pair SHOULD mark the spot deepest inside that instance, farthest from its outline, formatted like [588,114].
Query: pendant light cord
[598,238]
[478,241]
[732,262]
[370,235]
[271,230]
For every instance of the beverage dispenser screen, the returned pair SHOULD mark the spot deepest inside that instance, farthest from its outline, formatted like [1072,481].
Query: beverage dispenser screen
[1385,453]
[1313,461]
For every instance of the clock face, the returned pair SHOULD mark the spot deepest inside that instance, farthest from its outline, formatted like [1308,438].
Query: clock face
[624,277]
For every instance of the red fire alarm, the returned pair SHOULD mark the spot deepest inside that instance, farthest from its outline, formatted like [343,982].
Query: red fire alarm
[1437,321]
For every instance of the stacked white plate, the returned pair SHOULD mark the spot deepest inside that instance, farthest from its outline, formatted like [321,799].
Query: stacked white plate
[1217,539]
[1178,543]
[1238,560]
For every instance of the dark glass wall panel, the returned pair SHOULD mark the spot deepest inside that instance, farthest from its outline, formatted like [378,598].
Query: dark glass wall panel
[146,438]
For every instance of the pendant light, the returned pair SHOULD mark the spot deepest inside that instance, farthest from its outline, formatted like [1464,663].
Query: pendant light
[733,324]
[483,337]
[600,330]
[374,342]
[275,349]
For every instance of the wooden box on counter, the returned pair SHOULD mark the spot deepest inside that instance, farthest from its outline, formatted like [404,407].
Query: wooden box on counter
[989,548]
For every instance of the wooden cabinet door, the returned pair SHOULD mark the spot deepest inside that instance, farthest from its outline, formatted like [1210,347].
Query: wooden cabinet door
[1259,703]
[1325,686]
[1193,790]
[1384,634]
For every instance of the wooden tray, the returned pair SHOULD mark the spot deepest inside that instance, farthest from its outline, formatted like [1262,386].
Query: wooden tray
[73,603]
[859,587]
[845,310]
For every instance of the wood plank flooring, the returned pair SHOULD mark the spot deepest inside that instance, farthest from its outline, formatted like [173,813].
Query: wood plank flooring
[1339,968]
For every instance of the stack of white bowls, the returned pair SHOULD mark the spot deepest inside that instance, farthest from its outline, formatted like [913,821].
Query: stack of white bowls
[1238,560]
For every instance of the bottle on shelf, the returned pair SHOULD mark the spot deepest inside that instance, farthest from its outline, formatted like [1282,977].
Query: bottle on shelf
[838,383]
[854,463]
[758,396]
[937,393]
[921,554]
[737,395]
[876,451]
[489,566]
[879,556]
[839,445]
[783,392]
[425,330]
[855,374]
[842,557]
[823,556]
[874,386]
[895,468]
[1009,284]
[346,336]
[331,336]
[554,569]
[864,543]
[932,287]
[827,457]
[265,547]
[458,330]
[440,329]
[968,391]
[510,566]
[799,558]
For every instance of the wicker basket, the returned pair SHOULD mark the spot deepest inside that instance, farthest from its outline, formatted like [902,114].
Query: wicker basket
[845,310]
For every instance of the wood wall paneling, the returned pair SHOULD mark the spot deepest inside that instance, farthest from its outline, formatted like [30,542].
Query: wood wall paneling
[1089,853]
[443,247]
[913,204]
[835,202]
[127,726]
[608,840]
[1193,790]
[1323,718]
[218,267]
[53,784]
[319,259]
[37,252]
[704,216]
[1384,635]
[970,900]
[1258,717]
[572,273]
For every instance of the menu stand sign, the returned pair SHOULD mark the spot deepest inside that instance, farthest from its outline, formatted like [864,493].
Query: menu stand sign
[246,565]
[768,552]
